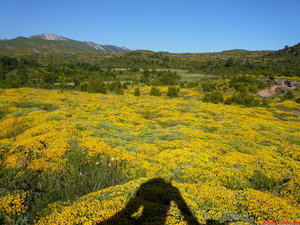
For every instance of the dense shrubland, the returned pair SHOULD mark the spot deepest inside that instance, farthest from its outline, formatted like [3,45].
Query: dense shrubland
[67,154]
[44,71]
[237,89]
[230,163]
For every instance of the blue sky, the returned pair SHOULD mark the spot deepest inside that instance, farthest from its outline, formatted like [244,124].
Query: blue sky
[159,25]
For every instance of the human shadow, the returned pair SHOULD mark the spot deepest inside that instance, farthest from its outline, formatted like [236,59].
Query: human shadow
[154,196]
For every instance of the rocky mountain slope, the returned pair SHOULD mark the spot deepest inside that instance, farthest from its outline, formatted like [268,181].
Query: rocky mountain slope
[52,43]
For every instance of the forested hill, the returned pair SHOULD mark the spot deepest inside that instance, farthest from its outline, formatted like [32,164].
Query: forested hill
[293,51]
[16,55]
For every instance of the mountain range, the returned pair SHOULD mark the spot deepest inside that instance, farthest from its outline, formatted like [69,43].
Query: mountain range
[51,43]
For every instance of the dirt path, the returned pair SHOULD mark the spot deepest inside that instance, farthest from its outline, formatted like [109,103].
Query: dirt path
[268,92]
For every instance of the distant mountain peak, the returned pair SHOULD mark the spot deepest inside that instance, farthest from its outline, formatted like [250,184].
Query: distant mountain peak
[95,45]
[53,43]
[49,36]
[126,49]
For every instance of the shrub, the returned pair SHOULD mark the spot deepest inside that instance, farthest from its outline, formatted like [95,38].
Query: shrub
[173,92]
[182,84]
[242,79]
[96,86]
[253,88]
[126,84]
[40,105]
[241,87]
[168,77]
[260,181]
[229,62]
[3,112]
[83,86]
[243,99]
[137,92]
[288,95]
[155,91]
[192,84]
[214,97]
[81,176]
[244,83]
[102,88]
[119,91]
[116,87]
[264,102]
[208,86]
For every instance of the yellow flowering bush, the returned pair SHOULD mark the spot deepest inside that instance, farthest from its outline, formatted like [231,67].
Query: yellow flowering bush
[13,204]
[230,163]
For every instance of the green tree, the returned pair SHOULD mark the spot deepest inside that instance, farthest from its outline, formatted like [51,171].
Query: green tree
[137,92]
[214,97]
[229,62]
[173,92]
[155,91]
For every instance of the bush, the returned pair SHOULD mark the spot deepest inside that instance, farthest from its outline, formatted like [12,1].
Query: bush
[102,88]
[126,84]
[243,99]
[3,112]
[83,86]
[40,105]
[208,86]
[192,84]
[96,86]
[81,176]
[168,77]
[288,95]
[264,102]
[214,97]
[155,91]
[160,77]
[244,83]
[182,84]
[173,92]
[249,79]
[119,91]
[137,92]
[229,62]
[116,87]
[260,181]
[241,87]
[253,88]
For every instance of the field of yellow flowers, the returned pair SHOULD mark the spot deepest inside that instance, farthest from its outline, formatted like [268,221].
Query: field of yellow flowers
[230,163]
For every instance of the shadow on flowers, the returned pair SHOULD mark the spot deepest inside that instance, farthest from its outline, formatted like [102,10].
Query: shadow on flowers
[151,205]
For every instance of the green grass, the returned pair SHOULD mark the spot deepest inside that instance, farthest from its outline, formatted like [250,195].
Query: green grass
[187,76]
[3,112]
[80,176]
[40,105]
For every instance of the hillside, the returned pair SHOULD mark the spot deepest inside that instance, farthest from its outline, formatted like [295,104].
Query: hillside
[292,51]
[220,162]
[53,44]
[48,49]
[107,138]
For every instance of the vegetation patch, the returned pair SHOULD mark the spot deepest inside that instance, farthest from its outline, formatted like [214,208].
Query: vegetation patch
[80,176]
[84,162]
[40,105]
[3,111]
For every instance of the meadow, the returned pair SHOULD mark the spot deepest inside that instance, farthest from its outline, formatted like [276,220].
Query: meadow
[187,76]
[231,163]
